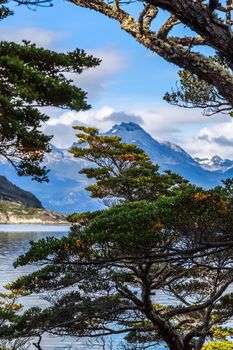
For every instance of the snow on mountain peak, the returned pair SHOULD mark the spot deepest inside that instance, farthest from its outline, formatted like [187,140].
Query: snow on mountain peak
[216,159]
[215,163]
[65,170]
[130,126]
[174,147]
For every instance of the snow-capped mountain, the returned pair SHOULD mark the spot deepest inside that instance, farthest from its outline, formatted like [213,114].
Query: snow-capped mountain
[215,163]
[65,191]
[166,154]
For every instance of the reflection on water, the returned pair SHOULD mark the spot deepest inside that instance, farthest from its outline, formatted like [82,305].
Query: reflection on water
[14,241]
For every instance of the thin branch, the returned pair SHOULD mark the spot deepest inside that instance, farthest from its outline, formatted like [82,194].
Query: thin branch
[209,302]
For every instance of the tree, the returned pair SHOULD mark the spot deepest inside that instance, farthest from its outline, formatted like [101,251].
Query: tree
[9,314]
[210,22]
[122,171]
[227,345]
[32,78]
[191,92]
[114,263]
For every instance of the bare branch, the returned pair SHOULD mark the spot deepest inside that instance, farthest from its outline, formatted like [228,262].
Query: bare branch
[147,16]
[116,5]
[167,27]
[173,52]
[189,41]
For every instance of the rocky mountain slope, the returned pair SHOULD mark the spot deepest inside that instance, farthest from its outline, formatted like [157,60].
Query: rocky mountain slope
[65,191]
[166,154]
[16,213]
[10,192]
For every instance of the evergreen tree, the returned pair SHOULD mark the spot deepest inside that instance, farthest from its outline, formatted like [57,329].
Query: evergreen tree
[122,171]
[9,310]
[114,264]
[193,92]
[32,78]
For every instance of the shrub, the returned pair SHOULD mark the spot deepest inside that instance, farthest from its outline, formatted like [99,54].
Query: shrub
[219,345]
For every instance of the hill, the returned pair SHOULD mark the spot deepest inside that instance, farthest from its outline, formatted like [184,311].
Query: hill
[16,213]
[12,193]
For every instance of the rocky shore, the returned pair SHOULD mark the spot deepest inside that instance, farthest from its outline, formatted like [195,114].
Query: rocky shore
[16,213]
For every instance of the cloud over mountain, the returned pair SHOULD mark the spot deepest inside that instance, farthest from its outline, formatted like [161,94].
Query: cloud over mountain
[65,175]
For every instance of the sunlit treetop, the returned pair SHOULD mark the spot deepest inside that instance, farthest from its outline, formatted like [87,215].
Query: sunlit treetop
[122,171]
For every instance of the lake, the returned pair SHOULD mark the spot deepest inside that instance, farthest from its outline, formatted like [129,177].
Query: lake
[14,241]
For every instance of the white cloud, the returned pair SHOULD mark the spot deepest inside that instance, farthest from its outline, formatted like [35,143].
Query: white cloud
[198,135]
[95,81]
[91,117]
[39,36]
[214,139]
[61,127]
[98,80]
[186,126]
[162,123]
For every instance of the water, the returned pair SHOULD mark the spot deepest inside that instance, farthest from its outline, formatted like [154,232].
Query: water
[14,241]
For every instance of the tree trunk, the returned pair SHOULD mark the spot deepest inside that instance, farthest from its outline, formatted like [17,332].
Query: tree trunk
[216,34]
[202,21]
[173,339]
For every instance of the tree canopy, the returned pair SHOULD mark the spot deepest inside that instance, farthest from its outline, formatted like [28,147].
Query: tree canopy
[9,309]
[111,269]
[122,171]
[33,78]
[192,92]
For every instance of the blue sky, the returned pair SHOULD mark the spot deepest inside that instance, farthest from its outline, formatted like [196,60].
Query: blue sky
[130,81]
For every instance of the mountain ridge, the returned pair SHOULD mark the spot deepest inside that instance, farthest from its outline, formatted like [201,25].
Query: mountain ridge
[12,193]
[215,163]
[65,192]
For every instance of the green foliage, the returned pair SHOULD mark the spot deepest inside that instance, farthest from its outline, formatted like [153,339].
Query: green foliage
[121,171]
[192,92]
[9,318]
[163,235]
[226,345]
[83,218]
[116,260]
[4,10]
[31,78]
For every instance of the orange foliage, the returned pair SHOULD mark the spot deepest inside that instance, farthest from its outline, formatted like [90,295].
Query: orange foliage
[201,196]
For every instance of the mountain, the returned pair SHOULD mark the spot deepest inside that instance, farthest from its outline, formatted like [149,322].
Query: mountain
[10,192]
[166,154]
[65,191]
[215,163]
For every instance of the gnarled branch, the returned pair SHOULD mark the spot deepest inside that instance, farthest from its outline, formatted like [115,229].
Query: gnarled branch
[167,27]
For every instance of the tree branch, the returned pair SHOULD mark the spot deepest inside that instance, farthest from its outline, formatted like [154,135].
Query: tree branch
[146,17]
[167,27]
[194,62]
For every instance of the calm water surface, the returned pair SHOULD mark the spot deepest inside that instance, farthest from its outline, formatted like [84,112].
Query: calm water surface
[14,241]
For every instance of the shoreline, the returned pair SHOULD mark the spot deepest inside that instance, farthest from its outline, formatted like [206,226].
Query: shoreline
[35,223]
[5,228]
